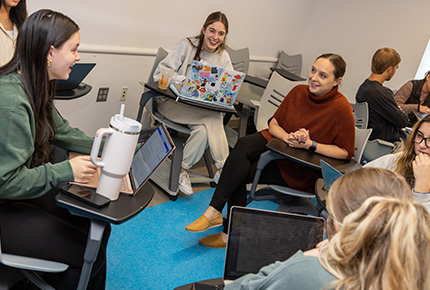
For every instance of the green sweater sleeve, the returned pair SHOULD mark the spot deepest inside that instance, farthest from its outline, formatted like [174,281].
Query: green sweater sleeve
[17,179]
[71,139]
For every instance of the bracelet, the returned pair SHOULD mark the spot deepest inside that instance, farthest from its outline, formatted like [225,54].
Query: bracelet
[313,147]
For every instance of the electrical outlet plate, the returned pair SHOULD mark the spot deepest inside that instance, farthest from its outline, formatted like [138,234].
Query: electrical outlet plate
[123,96]
[102,95]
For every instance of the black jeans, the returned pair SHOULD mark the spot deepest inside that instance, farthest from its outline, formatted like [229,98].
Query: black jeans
[39,228]
[239,170]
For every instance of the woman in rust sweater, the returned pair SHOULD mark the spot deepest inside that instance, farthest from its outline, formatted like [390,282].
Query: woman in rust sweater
[314,117]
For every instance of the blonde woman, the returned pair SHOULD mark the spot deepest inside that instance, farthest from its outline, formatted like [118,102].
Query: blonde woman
[362,235]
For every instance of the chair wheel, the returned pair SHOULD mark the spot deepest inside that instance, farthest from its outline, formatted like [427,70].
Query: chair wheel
[212,184]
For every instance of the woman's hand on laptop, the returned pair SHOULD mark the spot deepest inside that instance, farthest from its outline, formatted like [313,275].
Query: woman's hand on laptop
[83,169]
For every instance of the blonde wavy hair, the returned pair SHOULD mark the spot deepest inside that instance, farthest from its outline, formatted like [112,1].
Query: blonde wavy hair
[404,161]
[350,191]
[383,245]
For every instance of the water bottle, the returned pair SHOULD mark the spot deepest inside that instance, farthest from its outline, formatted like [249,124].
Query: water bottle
[117,155]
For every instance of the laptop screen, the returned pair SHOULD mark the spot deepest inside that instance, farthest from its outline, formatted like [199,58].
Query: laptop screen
[158,146]
[329,173]
[258,238]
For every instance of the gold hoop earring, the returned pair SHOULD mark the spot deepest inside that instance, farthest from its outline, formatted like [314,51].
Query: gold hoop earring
[49,62]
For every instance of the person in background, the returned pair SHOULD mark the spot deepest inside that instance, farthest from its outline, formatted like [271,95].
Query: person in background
[374,230]
[12,16]
[385,117]
[415,94]
[412,161]
[207,129]
[314,117]
[31,223]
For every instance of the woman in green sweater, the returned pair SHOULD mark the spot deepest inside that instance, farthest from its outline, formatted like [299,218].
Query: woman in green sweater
[31,223]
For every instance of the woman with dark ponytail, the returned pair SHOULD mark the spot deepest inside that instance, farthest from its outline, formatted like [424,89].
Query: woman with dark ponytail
[206,126]
[31,224]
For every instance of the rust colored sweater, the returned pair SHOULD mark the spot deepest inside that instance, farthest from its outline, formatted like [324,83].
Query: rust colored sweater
[329,120]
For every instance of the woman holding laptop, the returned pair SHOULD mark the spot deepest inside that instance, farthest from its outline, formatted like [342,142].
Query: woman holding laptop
[207,128]
[314,117]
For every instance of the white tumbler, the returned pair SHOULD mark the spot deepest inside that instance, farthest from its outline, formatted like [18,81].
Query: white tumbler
[117,155]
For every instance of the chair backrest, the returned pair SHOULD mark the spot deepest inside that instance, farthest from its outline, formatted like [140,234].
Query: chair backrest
[239,58]
[161,54]
[361,137]
[377,148]
[361,114]
[291,63]
[275,92]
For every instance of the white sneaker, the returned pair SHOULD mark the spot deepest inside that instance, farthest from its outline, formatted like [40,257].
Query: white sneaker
[185,183]
[217,176]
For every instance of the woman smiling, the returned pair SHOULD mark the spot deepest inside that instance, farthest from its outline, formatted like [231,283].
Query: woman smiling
[314,117]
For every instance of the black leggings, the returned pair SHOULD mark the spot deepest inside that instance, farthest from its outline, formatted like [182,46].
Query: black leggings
[39,228]
[239,170]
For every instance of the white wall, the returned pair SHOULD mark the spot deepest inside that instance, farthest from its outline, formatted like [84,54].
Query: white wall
[354,29]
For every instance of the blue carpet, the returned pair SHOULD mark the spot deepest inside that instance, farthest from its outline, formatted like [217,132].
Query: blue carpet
[153,250]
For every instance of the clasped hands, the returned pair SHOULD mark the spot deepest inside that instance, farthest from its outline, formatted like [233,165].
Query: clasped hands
[299,139]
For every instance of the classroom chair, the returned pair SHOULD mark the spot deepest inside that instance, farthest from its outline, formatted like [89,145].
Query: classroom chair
[239,58]
[27,266]
[297,201]
[374,148]
[291,63]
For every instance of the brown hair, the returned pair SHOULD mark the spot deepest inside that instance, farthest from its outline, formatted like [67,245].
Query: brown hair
[337,61]
[42,30]
[213,17]
[404,161]
[383,59]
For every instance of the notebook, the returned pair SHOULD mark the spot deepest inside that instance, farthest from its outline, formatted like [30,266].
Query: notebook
[145,161]
[210,85]
[330,175]
[257,238]
[79,72]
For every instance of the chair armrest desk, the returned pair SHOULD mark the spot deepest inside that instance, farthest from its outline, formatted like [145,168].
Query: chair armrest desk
[310,159]
[116,212]
[80,91]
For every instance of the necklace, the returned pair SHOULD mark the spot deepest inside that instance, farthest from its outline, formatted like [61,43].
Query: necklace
[5,20]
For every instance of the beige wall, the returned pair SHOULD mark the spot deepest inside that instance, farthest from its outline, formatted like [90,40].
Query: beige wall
[135,29]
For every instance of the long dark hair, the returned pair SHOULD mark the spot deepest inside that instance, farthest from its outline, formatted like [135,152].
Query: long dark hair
[41,30]
[213,17]
[17,14]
